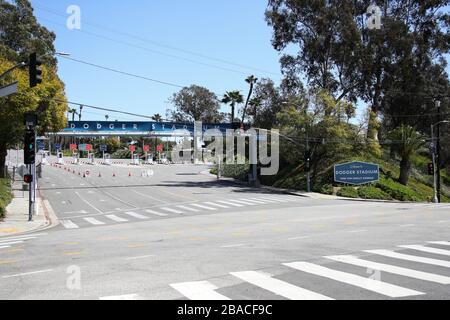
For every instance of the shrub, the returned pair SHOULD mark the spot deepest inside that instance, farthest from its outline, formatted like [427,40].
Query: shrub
[371,192]
[398,191]
[348,192]
[5,196]
[327,189]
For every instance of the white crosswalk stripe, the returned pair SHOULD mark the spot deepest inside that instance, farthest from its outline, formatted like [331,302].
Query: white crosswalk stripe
[252,201]
[68,224]
[407,257]
[278,287]
[11,243]
[17,239]
[172,210]
[94,221]
[264,200]
[122,297]
[203,207]
[136,215]
[216,205]
[441,243]
[115,218]
[186,208]
[244,202]
[380,287]
[231,204]
[427,249]
[273,199]
[392,269]
[201,290]
[159,214]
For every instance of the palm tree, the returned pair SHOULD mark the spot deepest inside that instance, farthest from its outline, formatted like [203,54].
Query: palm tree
[79,115]
[233,98]
[106,117]
[406,142]
[73,112]
[250,80]
[157,117]
[255,103]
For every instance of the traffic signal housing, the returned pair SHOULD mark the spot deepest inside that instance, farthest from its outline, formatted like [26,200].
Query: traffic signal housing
[308,155]
[29,149]
[431,169]
[34,70]
[28,178]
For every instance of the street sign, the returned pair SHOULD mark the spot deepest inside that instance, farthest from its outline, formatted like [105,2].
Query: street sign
[41,146]
[132,148]
[356,173]
[8,90]
[57,146]
[85,147]
[103,148]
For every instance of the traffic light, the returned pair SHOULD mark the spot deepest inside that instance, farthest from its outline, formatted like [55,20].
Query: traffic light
[431,169]
[29,147]
[308,160]
[34,70]
[28,178]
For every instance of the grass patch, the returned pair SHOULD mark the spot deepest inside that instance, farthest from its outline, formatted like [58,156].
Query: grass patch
[5,196]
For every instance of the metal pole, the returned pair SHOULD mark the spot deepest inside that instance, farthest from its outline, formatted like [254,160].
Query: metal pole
[438,148]
[433,151]
[308,173]
[30,199]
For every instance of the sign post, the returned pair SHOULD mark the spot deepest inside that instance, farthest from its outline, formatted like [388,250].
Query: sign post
[356,173]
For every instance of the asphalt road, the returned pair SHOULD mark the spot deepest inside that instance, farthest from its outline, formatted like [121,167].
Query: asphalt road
[177,233]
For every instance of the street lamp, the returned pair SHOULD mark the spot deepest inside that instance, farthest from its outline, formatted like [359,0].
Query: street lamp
[433,151]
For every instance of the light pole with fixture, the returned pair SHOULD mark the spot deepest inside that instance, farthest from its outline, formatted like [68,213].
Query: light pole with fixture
[436,166]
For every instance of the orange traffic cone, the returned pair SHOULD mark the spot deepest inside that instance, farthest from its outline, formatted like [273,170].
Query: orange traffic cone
[129,174]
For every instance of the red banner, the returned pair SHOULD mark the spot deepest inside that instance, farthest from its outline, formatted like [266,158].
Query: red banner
[73,147]
[160,148]
[132,148]
[146,148]
[89,147]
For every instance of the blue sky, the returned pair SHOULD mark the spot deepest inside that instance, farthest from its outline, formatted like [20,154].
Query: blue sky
[230,30]
[163,35]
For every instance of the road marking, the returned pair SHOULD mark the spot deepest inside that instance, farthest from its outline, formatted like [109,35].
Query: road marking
[68,224]
[278,287]
[136,215]
[90,205]
[264,200]
[73,253]
[380,287]
[427,249]
[231,204]
[94,221]
[251,201]
[116,218]
[187,208]
[138,258]
[244,202]
[299,238]
[407,257]
[172,210]
[216,205]
[5,247]
[282,198]
[135,246]
[442,243]
[34,235]
[27,274]
[444,221]
[123,297]
[7,261]
[157,213]
[201,290]
[391,269]
[10,243]
[273,199]
[358,231]
[203,207]
[233,245]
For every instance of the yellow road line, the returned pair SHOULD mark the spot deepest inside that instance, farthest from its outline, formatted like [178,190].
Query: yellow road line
[7,261]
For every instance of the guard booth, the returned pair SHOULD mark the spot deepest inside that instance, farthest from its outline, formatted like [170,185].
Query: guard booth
[91,158]
[44,158]
[60,158]
[107,159]
[135,160]
[76,159]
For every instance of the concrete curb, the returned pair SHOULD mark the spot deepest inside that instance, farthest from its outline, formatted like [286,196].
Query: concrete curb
[316,196]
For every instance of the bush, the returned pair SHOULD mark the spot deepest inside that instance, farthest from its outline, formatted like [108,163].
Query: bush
[327,189]
[5,196]
[348,192]
[236,171]
[398,191]
[373,193]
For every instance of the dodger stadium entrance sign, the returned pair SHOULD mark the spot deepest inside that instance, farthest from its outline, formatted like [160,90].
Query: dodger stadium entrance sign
[356,173]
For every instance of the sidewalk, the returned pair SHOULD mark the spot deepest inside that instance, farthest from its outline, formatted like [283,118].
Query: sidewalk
[16,220]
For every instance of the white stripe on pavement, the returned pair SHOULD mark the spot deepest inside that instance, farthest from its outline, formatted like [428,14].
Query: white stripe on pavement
[380,287]
[5,247]
[264,200]
[27,274]
[140,257]
[11,243]
[34,235]
[407,257]
[231,204]
[94,221]
[244,202]
[203,207]
[441,243]
[392,269]
[116,218]
[428,250]
[17,239]
[217,205]
[136,215]
[201,290]
[123,297]
[68,224]
[172,210]
[157,213]
[273,199]
[278,287]
[187,208]
[252,201]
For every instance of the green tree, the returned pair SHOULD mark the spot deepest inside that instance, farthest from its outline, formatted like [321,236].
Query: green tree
[406,142]
[233,98]
[196,103]
[252,80]
[157,117]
